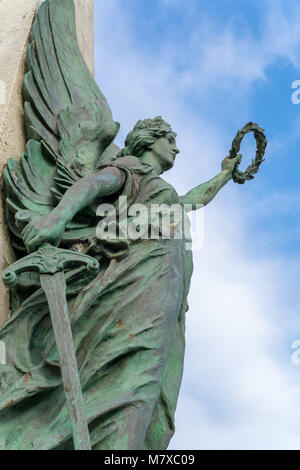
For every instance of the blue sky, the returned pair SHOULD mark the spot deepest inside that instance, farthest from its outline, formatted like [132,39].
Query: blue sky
[208,67]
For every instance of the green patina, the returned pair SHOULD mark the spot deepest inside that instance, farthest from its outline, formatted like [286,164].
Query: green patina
[128,320]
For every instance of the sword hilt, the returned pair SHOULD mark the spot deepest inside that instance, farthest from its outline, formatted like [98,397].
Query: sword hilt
[48,259]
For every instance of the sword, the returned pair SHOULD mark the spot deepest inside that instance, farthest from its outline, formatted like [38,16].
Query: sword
[50,262]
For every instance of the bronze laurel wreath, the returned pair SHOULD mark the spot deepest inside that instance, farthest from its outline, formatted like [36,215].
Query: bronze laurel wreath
[261,144]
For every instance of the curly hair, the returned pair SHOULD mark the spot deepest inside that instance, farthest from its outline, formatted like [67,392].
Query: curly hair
[144,134]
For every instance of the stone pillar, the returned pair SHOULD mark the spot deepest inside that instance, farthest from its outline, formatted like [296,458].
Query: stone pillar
[85,31]
[15,26]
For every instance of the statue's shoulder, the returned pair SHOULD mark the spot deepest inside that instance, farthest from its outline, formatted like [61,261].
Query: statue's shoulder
[132,164]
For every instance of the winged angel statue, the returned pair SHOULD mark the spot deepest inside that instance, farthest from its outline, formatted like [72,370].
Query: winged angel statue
[128,319]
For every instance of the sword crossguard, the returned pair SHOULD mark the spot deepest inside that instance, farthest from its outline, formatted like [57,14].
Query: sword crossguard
[47,260]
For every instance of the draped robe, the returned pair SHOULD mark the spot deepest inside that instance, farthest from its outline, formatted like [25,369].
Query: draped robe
[128,327]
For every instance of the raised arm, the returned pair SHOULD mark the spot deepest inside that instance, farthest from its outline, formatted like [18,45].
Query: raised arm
[205,192]
[50,228]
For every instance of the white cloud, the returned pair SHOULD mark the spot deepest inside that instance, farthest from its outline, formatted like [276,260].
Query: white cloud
[238,391]
[239,387]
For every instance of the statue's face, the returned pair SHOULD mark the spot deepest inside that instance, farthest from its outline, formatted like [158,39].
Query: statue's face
[165,150]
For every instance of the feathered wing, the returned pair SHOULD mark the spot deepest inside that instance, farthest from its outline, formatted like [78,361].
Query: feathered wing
[68,121]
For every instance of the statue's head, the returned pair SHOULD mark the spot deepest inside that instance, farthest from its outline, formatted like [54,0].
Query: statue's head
[144,135]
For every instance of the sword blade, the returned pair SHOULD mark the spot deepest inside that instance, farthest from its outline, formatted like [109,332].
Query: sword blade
[54,286]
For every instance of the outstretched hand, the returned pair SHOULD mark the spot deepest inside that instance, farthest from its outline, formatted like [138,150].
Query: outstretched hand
[229,164]
[40,229]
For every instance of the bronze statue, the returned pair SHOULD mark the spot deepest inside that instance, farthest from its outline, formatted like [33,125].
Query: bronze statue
[128,318]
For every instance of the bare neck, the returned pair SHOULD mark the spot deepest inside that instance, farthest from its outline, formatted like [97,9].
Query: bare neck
[149,158]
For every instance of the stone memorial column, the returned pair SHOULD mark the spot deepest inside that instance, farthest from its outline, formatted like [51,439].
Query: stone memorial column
[15,26]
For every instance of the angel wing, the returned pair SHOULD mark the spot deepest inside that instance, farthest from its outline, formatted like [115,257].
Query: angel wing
[68,122]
